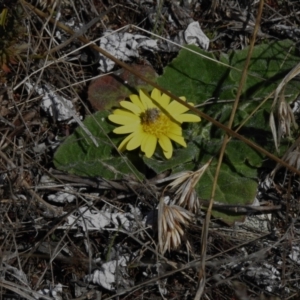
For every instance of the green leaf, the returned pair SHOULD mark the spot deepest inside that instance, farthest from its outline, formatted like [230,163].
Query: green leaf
[232,189]
[181,156]
[269,64]
[197,78]
[78,154]
[200,78]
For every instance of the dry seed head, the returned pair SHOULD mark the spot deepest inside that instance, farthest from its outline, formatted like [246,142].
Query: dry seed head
[285,119]
[171,222]
[183,187]
[284,113]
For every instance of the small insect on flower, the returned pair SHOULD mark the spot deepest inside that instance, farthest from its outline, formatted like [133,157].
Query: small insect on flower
[150,116]
[149,119]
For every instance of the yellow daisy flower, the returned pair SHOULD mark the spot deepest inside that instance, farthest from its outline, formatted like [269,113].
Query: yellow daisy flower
[151,119]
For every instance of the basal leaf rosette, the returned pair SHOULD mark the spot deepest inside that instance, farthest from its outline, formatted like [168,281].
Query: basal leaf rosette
[149,119]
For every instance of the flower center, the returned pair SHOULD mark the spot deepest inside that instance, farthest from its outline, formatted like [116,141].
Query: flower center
[155,122]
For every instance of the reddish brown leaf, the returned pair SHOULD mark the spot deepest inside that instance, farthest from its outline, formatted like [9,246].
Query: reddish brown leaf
[107,91]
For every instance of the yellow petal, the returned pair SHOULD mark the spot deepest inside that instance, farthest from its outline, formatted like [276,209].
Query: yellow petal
[187,118]
[178,139]
[146,100]
[122,120]
[162,99]
[135,142]
[150,145]
[165,143]
[175,129]
[144,141]
[168,154]
[131,106]
[156,94]
[123,144]
[132,127]
[125,112]
[175,108]
[135,99]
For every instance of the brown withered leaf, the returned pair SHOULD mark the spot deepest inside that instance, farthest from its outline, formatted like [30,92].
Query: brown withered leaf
[107,91]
